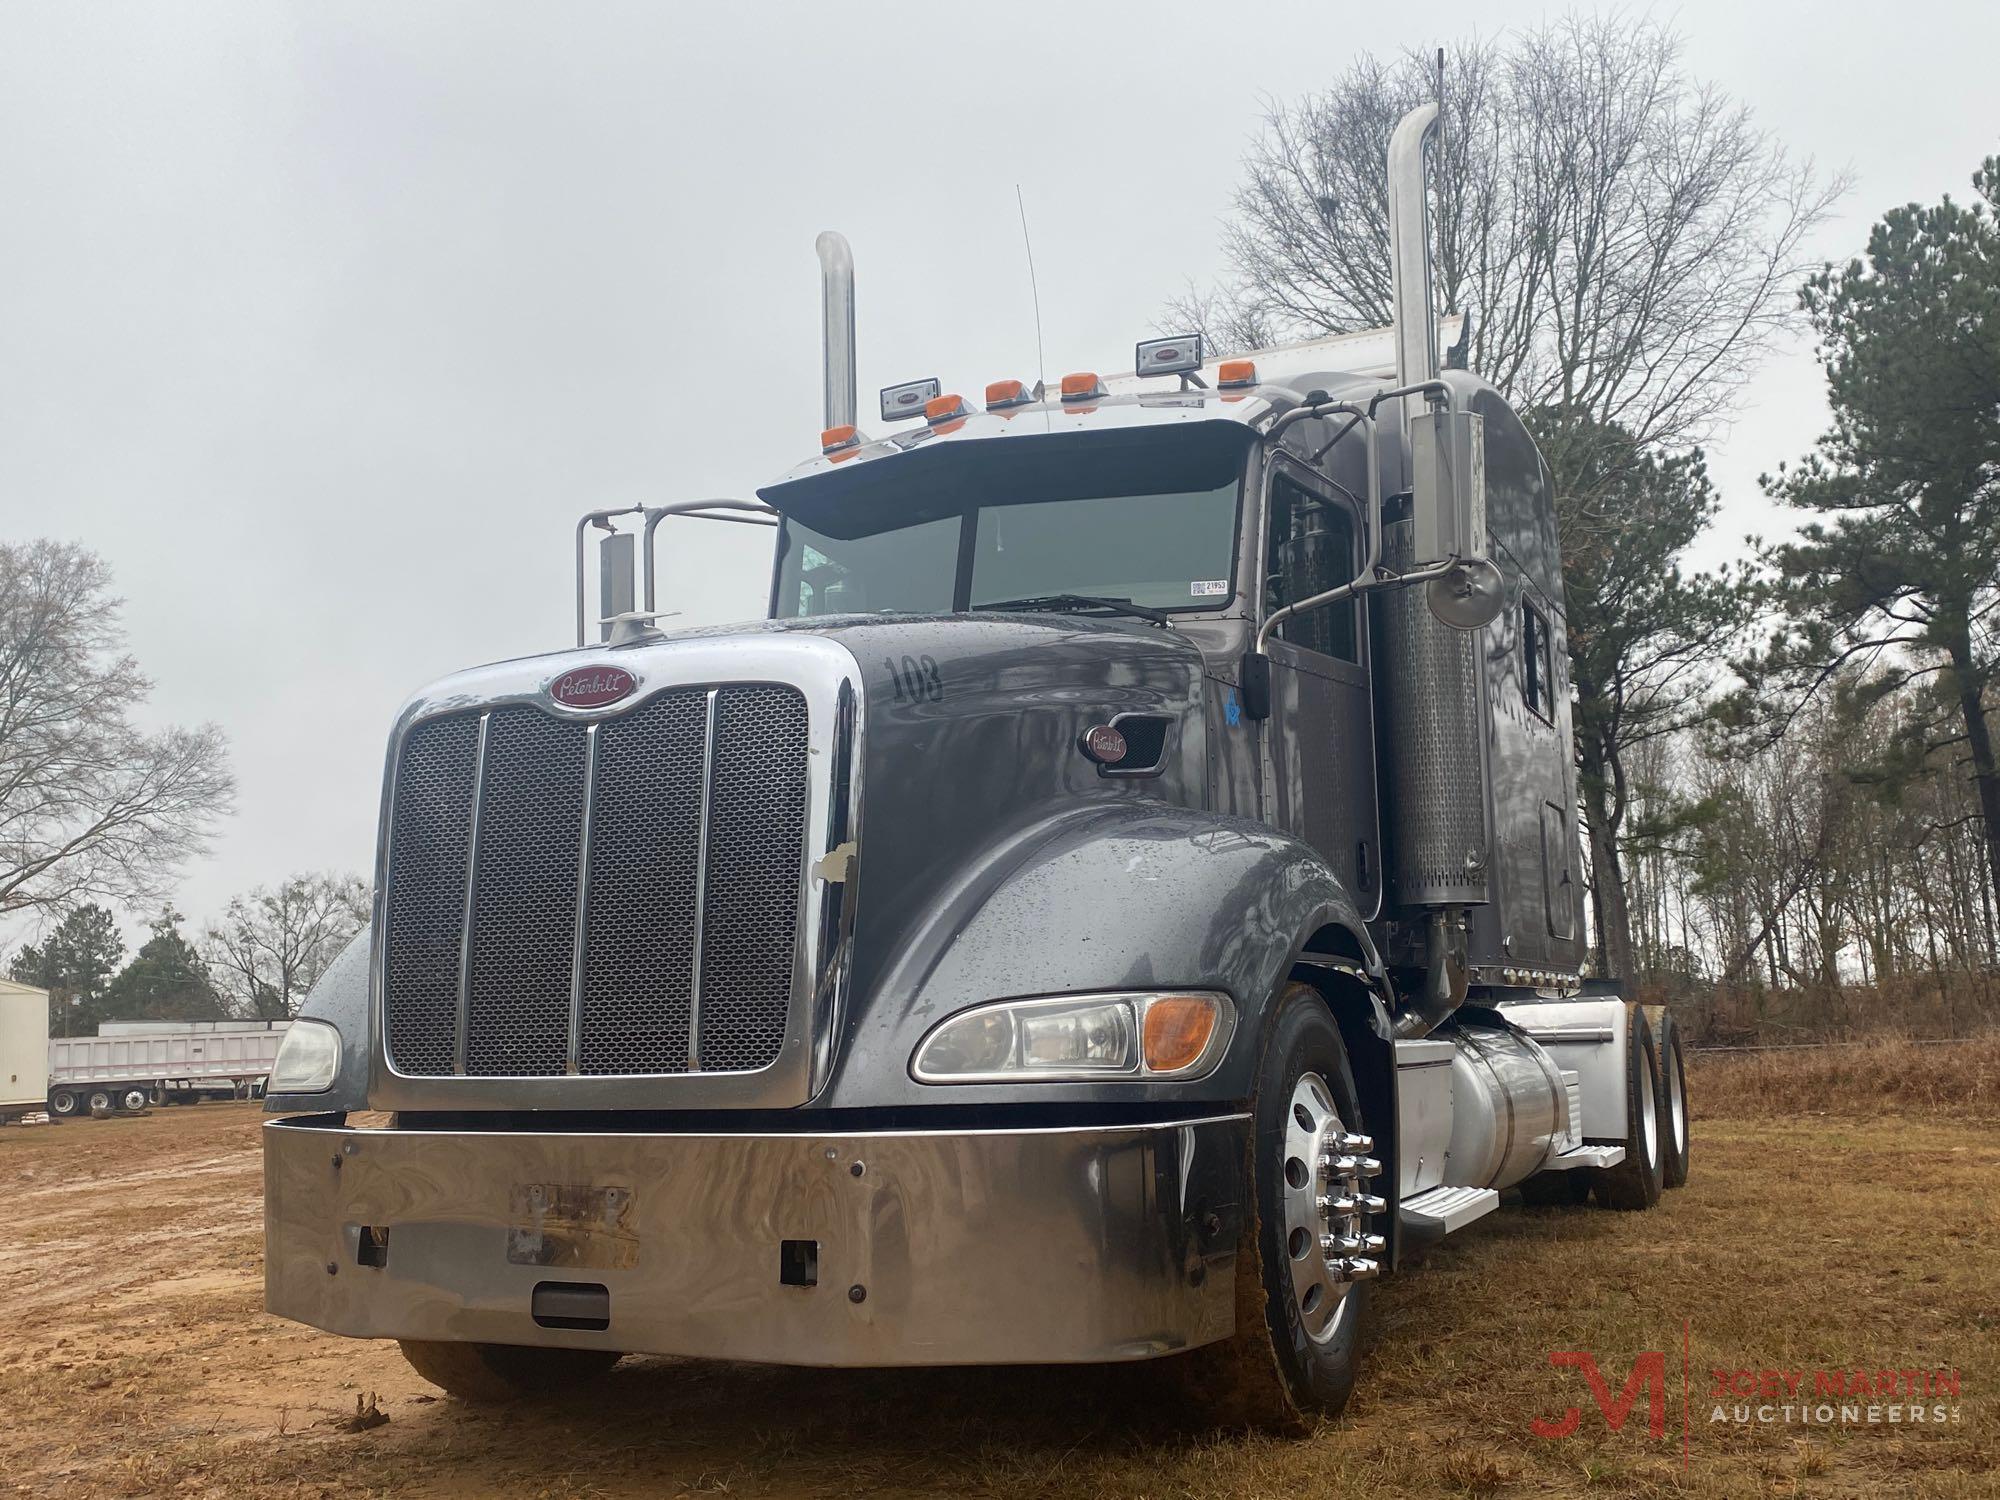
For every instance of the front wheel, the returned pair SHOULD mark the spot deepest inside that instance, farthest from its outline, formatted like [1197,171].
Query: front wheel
[1307,1254]
[488,1373]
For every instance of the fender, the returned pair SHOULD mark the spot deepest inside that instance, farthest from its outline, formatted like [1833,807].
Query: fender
[340,998]
[1130,895]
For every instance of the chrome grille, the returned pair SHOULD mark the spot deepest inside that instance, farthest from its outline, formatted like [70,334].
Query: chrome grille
[524,895]
[632,887]
[755,812]
[427,858]
[639,960]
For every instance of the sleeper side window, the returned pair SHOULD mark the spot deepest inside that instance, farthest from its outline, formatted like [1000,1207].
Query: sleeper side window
[1310,550]
[1537,667]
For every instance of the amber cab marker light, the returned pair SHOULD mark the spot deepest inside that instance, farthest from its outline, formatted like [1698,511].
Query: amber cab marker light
[945,408]
[1236,372]
[1006,393]
[1081,386]
[1176,1031]
[833,439]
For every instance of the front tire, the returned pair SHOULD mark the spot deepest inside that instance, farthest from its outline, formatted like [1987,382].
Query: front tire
[1299,1304]
[488,1373]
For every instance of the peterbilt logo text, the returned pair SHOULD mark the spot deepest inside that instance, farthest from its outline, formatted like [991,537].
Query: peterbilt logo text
[591,687]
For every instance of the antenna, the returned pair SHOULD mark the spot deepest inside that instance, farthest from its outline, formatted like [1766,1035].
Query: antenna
[1041,363]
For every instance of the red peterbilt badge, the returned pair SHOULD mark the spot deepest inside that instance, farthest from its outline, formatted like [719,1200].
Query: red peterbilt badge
[592,687]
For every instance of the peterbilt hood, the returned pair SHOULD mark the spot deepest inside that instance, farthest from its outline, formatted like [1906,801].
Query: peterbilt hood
[537,907]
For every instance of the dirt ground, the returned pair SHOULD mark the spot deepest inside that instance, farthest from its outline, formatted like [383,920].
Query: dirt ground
[135,1358]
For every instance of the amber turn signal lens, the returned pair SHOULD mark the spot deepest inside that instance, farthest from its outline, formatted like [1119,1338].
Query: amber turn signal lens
[1236,372]
[1176,1031]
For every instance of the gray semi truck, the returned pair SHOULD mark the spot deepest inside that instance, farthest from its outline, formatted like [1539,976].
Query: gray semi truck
[1124,899]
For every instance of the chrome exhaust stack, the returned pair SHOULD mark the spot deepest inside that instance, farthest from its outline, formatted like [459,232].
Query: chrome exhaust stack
[836,301]
[1410,249]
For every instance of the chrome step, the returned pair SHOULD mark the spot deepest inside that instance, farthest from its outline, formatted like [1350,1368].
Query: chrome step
[1586,1156]
[1446,1210]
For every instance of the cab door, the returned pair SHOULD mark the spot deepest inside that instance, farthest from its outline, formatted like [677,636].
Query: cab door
[1320,738]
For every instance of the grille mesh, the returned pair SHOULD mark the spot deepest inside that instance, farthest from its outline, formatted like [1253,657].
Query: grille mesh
[756,812]
[427,854]
[642,914]
[524,909]
[646,822]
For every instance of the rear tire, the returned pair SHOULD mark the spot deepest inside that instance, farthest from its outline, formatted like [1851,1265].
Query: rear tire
[1636,1181]
[1673,1105]
[100,1101]
[132,1100]
[63,1103]
[1297,1346]
[488,1373]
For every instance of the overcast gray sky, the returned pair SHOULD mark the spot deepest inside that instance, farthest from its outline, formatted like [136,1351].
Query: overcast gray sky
[323,322]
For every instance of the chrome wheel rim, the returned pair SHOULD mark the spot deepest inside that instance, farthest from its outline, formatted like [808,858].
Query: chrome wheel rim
[1326,1213]
[1677,1104]
[1649,1111]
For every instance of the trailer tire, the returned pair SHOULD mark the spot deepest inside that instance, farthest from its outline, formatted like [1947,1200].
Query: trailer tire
[1673,1105]
[62,1103]
[488,1373]
[132,1100]
[1636,1181]
[1274,1373]
[100,1101]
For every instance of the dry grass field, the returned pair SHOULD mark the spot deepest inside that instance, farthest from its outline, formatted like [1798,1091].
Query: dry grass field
[1844,1213]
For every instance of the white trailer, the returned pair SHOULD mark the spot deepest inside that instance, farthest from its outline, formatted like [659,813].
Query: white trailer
[131,1064]
[24,1059]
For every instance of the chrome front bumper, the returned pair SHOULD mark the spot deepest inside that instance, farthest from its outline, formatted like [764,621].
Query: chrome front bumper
[1062,1245]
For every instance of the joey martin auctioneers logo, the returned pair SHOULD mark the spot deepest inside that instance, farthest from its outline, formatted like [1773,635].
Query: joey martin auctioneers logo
[1870,1394]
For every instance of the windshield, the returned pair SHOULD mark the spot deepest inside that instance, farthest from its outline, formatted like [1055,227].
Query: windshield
[987,528]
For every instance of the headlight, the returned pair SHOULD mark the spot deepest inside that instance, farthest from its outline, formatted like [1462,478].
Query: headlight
[308,1059]
[1078,1037]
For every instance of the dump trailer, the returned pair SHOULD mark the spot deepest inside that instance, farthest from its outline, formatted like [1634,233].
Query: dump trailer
[24,1057]
[129,1065]
[1122,900]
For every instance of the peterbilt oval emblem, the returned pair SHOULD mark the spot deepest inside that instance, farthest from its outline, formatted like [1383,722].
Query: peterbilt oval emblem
[592,687]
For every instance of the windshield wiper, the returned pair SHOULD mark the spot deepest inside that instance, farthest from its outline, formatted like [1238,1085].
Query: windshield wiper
[1059,603]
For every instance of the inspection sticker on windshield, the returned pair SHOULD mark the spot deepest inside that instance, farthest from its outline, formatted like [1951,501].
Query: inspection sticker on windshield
[1202,587]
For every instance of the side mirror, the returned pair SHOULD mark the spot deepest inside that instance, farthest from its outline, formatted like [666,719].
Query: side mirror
[1448,484]
[1255,678]
[1448,516]
[617,556]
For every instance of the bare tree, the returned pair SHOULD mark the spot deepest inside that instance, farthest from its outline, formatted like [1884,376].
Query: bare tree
[272,945]
[1625,242]
[92,807]
[1623,237]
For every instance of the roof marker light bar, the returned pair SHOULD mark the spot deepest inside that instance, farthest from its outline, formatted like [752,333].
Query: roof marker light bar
[1082,386]
[908,399]
[1236,372]
[1179,355]
[1004,393]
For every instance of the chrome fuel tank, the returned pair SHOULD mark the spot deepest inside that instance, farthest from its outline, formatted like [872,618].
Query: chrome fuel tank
[1509,1109]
